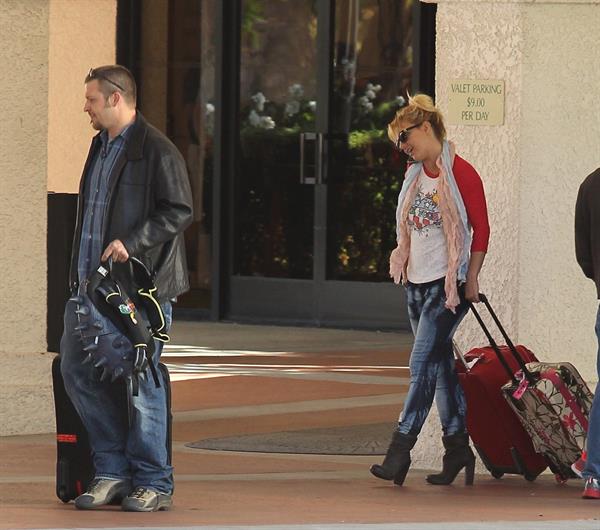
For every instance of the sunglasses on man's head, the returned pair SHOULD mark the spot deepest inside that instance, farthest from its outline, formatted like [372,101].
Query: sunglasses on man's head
[404,134]
[93,74]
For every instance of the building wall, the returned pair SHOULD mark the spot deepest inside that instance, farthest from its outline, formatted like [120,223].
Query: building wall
[153,72]
[560,146]
[492,48]
[23,173]
[82,35]
[532,165]
[47,49]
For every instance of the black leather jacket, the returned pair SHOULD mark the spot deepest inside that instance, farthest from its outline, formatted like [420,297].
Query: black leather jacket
[149,206]
[587,228]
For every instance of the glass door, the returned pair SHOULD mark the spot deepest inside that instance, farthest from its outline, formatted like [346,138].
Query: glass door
[372,73]
[273,250]
[173,60]
[316,180]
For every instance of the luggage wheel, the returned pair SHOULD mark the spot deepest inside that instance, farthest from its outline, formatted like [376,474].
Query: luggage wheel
[497,474]
[62,494]
[560,479]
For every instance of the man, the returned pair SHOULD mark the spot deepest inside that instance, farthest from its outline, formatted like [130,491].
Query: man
[134,201]
[587,249]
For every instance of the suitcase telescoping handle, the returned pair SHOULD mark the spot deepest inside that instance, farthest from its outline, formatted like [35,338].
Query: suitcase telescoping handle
[494,345]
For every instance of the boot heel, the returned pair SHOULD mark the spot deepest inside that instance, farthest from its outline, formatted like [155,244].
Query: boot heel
[401,474]
[470,473]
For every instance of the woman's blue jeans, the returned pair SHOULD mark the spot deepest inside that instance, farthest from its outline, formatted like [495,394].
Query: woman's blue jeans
[137,452]
[432,372]
[592,466]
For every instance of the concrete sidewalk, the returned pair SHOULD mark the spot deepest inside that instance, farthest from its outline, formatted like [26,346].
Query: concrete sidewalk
[231,380]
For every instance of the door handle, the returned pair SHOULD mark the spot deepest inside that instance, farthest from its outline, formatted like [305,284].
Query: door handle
[320,153]
[304,138]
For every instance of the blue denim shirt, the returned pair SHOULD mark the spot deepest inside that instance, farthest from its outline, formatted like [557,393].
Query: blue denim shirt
[94,200]
[95,195]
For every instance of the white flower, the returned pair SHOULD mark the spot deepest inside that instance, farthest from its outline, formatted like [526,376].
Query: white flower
[370,94]
[296,90]
[266,122]
[292,107]
[400,101]
[312,105]
[254,118]
[374,88]
[210,108]
[259,100]
[365,103]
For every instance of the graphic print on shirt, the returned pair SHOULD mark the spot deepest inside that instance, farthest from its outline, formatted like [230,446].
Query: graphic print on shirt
[424,214]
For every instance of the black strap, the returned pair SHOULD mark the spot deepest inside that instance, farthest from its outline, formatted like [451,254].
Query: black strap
[154,374]
[495,346]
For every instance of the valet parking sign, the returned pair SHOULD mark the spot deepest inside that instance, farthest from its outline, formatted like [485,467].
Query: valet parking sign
[476,102]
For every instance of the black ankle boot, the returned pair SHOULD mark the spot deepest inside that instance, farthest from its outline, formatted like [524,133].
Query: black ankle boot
[458,455]
[397,459]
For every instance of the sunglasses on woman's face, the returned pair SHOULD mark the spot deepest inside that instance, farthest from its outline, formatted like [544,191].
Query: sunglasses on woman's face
[404,134]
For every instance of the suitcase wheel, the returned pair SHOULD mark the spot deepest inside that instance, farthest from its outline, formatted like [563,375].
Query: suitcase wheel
[529,477]
[560,479]
[61,493]
[497,474]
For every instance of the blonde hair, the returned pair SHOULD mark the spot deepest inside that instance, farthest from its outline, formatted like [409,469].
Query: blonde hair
[420,108]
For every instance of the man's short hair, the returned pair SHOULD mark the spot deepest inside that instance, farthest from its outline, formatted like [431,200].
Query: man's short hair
[114,78]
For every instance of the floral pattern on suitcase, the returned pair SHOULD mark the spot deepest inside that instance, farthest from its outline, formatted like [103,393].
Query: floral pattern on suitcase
[554,411]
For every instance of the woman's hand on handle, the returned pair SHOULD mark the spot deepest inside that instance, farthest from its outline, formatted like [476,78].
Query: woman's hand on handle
[472,290]
[472,285]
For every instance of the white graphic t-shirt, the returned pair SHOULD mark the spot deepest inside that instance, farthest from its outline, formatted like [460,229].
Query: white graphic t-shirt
[428,259]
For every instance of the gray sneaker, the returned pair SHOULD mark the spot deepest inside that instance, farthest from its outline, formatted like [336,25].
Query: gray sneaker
[144,500]
[102,491]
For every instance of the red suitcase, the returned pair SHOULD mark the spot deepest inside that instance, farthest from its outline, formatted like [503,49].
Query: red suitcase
[502,442]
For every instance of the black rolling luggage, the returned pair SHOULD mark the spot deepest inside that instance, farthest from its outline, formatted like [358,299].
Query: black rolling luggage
[74,465]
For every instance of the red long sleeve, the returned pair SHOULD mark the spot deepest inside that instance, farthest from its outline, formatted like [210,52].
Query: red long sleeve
[471,188]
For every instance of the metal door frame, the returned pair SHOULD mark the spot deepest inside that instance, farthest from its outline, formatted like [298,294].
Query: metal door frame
[319,301]
[310,302]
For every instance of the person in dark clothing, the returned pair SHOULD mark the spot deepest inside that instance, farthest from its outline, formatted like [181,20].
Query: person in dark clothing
[587,250]
[134,201]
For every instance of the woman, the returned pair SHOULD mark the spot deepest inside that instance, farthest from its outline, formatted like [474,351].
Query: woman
[442,234]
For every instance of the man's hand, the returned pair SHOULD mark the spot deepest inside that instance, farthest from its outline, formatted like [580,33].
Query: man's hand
[115,250]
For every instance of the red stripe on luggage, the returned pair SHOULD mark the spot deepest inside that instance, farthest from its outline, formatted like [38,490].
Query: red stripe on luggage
[555,378]
[67,438]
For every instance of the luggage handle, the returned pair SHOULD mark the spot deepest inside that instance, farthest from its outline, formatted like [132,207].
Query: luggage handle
[459,356]
[495,346]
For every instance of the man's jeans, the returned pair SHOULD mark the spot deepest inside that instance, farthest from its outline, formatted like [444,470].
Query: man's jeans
[592,466]
[137,452]
[432,370]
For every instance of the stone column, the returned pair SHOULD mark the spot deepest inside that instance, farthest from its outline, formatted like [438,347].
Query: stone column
[24,376]
[546,52]
[47,49]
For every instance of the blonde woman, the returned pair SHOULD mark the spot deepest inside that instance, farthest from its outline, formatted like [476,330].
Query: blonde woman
[442,234]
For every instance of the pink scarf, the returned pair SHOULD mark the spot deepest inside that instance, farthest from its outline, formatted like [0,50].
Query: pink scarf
[452,231]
